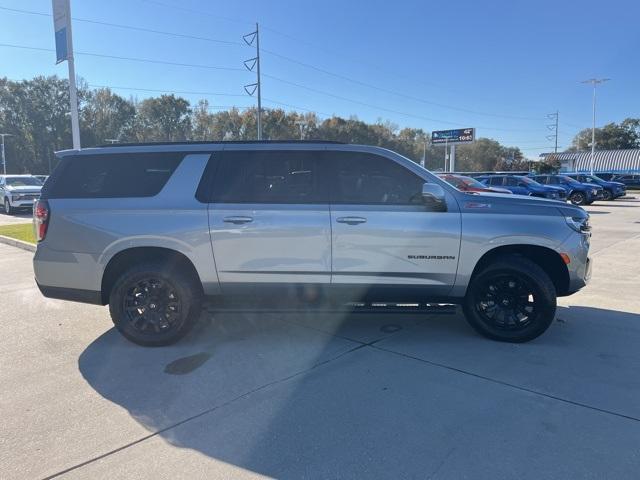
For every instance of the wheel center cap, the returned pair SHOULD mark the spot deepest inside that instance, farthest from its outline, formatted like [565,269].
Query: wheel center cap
[152,306]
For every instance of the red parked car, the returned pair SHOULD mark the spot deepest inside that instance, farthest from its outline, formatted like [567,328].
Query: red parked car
[468,184]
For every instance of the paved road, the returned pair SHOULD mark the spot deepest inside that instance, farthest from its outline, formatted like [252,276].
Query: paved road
[20,217]
[328,396]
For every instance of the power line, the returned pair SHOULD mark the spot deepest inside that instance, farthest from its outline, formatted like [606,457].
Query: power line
[321,92]
[286,58]
[128,27]
[377,107]
[132,59]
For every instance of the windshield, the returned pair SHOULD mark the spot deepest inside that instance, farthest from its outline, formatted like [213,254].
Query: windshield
[23,182]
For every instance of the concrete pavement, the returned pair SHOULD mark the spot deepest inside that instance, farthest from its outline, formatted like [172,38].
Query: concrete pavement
[328,395]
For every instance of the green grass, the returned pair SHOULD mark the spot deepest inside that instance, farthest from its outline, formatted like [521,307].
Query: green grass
[20,231]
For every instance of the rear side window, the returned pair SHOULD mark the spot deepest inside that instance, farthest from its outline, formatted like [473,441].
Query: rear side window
[271,176]
[495,181]
[364,178]
[511,181]
[112,176]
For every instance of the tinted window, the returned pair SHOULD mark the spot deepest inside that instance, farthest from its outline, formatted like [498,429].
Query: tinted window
[511,181]
[552,180]
[543,180]
[496,181]
[112,176]
[363,178]
[288,176]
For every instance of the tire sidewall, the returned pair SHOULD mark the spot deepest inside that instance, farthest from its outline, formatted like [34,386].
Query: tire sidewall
[191,304]
[7,207]
[607,195]
[545,302]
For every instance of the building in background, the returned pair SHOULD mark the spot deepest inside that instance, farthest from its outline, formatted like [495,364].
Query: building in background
[623,161]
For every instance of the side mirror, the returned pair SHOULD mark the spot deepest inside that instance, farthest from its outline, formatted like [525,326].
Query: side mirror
[433,196]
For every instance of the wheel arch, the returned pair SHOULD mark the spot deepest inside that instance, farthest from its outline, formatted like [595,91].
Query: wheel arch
[124,259]
[546,258]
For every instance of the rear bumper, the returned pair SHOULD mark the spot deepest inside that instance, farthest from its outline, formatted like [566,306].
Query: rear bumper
[71,294]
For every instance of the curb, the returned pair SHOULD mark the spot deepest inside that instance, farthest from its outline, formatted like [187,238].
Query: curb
[29,247]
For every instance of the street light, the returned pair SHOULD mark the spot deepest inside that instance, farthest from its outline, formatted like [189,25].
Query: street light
[4,160]
[594,82]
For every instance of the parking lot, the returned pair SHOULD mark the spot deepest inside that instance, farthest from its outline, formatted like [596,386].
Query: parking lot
[310,395]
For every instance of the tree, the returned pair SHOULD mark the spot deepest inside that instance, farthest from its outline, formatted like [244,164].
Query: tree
[165,118]
[106,115]
[612,136]
[550,164]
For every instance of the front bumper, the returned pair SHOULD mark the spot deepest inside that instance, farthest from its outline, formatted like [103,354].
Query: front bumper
[28,203]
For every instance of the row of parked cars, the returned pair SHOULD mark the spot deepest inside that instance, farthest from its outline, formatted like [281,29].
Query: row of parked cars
[18,192]
[577,188]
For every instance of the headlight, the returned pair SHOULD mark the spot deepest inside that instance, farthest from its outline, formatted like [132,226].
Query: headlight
[594,192]
[579,224]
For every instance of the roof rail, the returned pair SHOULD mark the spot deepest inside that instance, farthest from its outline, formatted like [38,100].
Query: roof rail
[217,142]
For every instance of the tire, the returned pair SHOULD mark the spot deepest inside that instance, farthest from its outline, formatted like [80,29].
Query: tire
[578,198]
[506,282]
[607,195]
[8,209]
[153,305]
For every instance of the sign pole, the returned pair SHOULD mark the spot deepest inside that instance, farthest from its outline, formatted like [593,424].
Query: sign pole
[446,153]
[64,51]
[452,158]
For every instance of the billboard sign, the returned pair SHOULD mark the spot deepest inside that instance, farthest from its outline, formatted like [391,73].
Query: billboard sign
[452,137]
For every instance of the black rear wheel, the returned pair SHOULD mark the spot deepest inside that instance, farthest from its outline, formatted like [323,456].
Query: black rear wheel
[153,304]
[577,198]
[511,300]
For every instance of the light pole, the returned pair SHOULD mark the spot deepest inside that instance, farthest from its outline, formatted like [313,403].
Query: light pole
[4,160]
[594,82]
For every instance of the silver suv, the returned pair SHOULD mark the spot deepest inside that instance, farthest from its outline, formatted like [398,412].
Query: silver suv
[18,192]
[153,230]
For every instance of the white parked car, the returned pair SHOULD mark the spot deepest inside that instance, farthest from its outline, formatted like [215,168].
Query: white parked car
[19,192]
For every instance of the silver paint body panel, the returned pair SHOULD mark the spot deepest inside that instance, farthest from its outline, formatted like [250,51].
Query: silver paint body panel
[293,244]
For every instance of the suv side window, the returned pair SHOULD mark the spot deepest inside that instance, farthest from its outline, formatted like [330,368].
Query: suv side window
[122,175]
[543,179]
[511,181]
[364,178]
[269,176]
[552,180]
[496,181]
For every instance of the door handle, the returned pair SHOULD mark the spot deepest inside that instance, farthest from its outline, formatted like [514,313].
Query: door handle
[237,220]
[351,220]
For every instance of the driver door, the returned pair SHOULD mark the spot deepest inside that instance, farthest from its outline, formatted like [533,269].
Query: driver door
[383,235]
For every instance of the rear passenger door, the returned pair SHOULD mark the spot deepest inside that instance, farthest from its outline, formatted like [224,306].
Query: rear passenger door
[514,184]
[269,219]
[383,234]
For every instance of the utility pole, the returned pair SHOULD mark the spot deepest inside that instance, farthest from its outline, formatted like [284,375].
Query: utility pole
[250,64]
[423,162]
[4,160]
[553,127]
[594,82]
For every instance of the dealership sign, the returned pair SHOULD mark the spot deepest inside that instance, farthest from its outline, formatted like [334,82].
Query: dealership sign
[452,137]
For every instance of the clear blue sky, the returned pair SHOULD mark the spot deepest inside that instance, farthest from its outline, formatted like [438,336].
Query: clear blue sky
[500,66]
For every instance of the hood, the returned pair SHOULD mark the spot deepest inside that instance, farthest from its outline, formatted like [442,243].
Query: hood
[518,204]
[23,188]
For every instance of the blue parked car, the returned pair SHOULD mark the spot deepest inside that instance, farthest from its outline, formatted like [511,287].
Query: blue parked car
[524,186]
[611,190]
[577,193]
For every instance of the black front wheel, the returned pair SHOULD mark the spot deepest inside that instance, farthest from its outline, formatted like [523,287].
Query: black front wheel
[154,305]
[607,195]
[510,300]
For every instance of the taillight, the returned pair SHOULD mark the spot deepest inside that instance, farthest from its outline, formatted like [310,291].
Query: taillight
[40,219]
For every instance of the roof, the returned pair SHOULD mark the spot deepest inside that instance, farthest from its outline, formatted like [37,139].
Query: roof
[214,142]
[604,160]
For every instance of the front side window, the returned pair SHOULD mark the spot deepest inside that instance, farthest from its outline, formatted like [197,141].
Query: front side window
[496,181]
[287,176]
[364,178]
[511,181]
